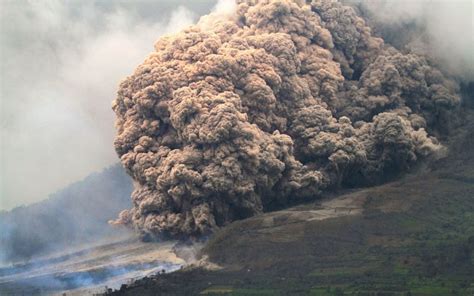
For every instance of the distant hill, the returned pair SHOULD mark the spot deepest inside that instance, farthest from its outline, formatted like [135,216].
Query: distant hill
[75,215]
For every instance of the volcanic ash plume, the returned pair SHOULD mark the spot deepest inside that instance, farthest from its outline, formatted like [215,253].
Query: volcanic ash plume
[269,106]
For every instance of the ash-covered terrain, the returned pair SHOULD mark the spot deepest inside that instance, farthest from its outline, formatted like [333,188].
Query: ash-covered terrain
[92,269]
[65,244]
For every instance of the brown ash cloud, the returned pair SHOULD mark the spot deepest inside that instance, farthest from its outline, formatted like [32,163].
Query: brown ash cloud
[270,106]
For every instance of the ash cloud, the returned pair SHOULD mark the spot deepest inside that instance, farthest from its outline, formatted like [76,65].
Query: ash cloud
[270,106]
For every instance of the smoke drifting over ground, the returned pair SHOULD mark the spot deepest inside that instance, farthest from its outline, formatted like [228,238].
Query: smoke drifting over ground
[268,106]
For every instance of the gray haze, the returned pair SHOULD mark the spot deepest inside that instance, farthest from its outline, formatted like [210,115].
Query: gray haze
[61,62]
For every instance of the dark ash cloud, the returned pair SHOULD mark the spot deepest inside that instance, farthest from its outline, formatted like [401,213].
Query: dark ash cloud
[270,105]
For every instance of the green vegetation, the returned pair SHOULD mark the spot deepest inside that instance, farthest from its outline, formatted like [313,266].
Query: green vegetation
[227,290]
[217,290]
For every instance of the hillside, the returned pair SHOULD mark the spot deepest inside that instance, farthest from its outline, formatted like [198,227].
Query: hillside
[78,214]
[413,236]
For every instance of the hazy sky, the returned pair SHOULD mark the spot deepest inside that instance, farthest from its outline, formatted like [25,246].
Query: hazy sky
[60,65]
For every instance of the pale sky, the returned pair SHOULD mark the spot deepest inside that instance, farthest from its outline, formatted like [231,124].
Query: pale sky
[60,65]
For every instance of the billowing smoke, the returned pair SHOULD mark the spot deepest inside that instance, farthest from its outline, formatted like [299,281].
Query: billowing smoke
[270,106]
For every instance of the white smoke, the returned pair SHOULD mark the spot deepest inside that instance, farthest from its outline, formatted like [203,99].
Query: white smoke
[225,7]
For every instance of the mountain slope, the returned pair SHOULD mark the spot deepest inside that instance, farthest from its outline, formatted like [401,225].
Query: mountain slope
[75,215]
[414,236]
